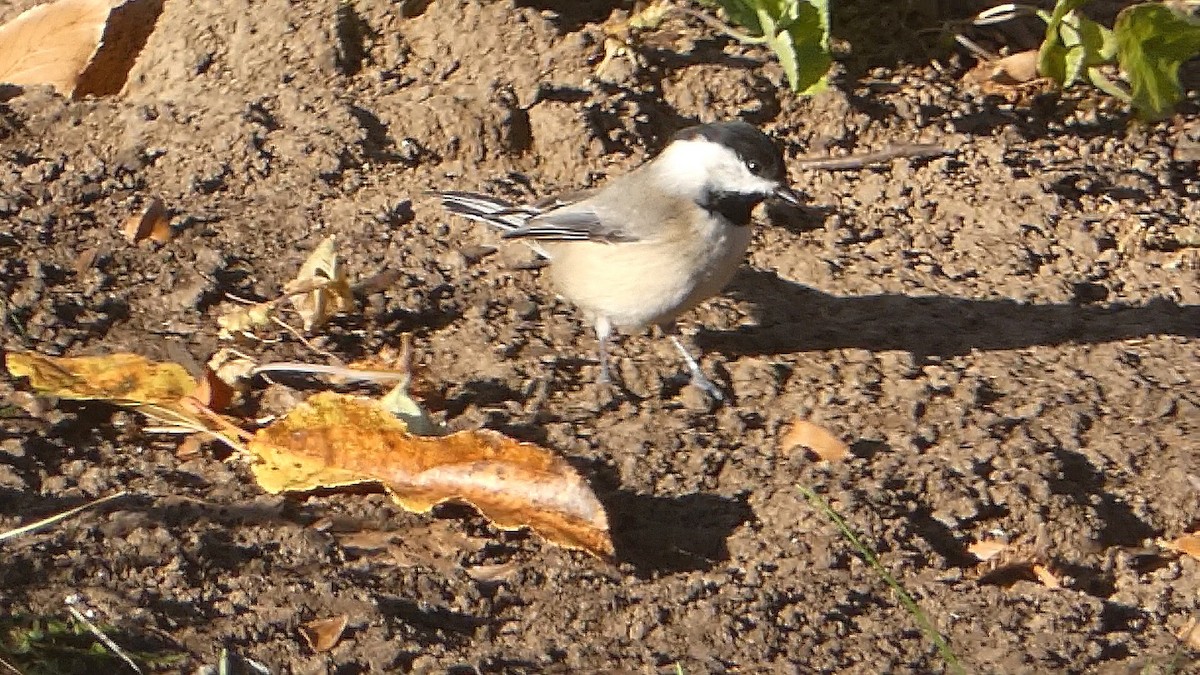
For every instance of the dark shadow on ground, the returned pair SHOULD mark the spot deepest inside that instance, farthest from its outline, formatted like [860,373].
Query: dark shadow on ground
[795,318]
[666,535]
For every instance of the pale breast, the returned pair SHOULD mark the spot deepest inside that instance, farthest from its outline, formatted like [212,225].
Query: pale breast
[652,282]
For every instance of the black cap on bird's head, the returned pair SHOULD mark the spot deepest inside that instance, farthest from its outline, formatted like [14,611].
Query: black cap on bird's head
[760,155]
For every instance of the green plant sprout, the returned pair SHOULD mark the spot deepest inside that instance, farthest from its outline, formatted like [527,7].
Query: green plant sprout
[796,30]
[1149,41]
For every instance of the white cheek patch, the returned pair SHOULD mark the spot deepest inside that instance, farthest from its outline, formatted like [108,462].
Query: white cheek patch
[690,168]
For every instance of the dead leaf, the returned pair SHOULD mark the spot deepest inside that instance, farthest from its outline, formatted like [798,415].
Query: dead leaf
[79,47]
[1010,70]
[987,549]
[160,391]
[190,447]
[213,392]
[153,223]
[820,441]
[245,319]
[121,378]
[232,368]
[334,440]
[323,634]
[1188,544]
[1046,576]
[321,288]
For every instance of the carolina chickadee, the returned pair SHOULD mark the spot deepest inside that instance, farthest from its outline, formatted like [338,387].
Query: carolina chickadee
[652,244]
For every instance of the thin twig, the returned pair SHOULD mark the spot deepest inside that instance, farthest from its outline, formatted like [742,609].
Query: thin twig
[104,639]
[721,27]
[37,525]
[860,161]
[339,371]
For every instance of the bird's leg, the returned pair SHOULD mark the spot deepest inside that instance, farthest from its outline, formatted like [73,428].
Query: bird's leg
[603,331]
[698,379]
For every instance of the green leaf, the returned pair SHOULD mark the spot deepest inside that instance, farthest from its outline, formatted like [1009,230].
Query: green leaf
[740,12]
[1054,57]
[1152,42]
[796,30]
[808,26]
[1073,45]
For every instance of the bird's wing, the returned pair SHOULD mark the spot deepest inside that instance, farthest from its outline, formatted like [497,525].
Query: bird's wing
[579,221]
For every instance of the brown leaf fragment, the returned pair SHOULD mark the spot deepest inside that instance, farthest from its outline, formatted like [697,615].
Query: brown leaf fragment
[213,392]
[321,288]
[987,549]
[323,634]
[817,439]
[152,222]
[1008,71]
[190,447]
[79,47]
[1187,544]
[121,378]
[333,440]
[1046,576]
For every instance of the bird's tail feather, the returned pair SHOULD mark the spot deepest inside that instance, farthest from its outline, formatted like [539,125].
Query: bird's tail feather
[484,209]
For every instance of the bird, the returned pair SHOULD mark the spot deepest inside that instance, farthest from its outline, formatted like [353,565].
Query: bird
[651,244]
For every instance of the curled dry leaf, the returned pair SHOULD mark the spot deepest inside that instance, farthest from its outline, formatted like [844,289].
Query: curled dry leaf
[333,440]
[987,549]
[819,440]
[321,289]
[1008,71]
[79,47]
[1046,575]
[323,634]
[153,223]
[121,378]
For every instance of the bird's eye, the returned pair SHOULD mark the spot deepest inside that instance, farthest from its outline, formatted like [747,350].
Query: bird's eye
[753,166]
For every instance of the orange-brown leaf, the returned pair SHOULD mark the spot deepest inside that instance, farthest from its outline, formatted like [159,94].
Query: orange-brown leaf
[333,440]
[1188,544]
[213,392]
[152,223]
[987,549]
[121,378]
[323,634]
[79,47]
[817,439]
[1046,576]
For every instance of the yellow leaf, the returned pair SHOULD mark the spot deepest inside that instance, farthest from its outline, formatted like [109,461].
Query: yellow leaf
[321,288]
[333,440]
[121,378]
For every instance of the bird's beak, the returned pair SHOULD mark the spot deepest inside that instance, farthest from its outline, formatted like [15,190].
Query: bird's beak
[788,195]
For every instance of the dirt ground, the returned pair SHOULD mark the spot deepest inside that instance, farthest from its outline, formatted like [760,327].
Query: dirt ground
[1008,337]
